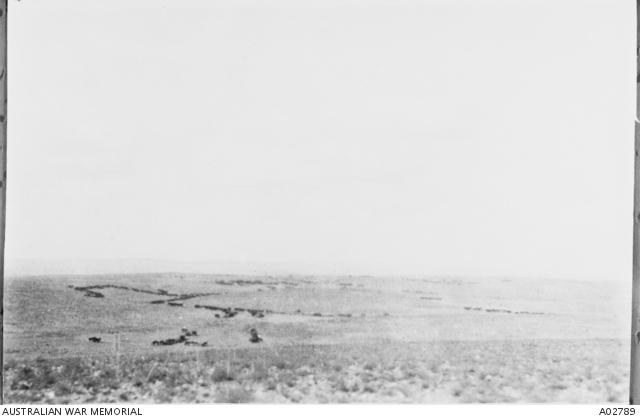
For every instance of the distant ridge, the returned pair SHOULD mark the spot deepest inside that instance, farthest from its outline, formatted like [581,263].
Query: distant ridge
[29,267]
[17,267]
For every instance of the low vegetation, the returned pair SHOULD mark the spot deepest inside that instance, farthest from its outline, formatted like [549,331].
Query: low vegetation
[436,372]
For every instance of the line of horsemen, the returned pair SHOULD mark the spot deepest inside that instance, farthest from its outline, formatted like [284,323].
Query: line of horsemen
[186,338]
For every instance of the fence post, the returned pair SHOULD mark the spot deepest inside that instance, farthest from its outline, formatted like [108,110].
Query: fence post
[116,344]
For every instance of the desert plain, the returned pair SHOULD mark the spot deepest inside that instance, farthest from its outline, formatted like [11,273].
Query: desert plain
[186,338]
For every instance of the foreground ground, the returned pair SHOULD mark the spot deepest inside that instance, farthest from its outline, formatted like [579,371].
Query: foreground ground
[437,372]
[348,339]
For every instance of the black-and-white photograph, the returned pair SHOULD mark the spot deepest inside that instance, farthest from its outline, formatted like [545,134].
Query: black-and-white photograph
[319,201]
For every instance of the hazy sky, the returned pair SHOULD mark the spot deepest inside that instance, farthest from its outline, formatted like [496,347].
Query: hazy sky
[462,137]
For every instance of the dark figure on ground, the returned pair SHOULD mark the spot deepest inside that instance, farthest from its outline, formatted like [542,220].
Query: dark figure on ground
[188,332]
[95,339]
[255,337]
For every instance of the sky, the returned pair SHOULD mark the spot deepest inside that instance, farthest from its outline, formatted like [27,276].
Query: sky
[410,137]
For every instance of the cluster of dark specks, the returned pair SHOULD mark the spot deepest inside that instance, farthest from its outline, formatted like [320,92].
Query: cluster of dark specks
[501,310]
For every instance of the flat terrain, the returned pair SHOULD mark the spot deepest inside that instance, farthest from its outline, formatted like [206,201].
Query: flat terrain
[325,339]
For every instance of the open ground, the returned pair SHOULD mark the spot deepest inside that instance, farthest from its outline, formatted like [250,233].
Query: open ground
[117,338]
